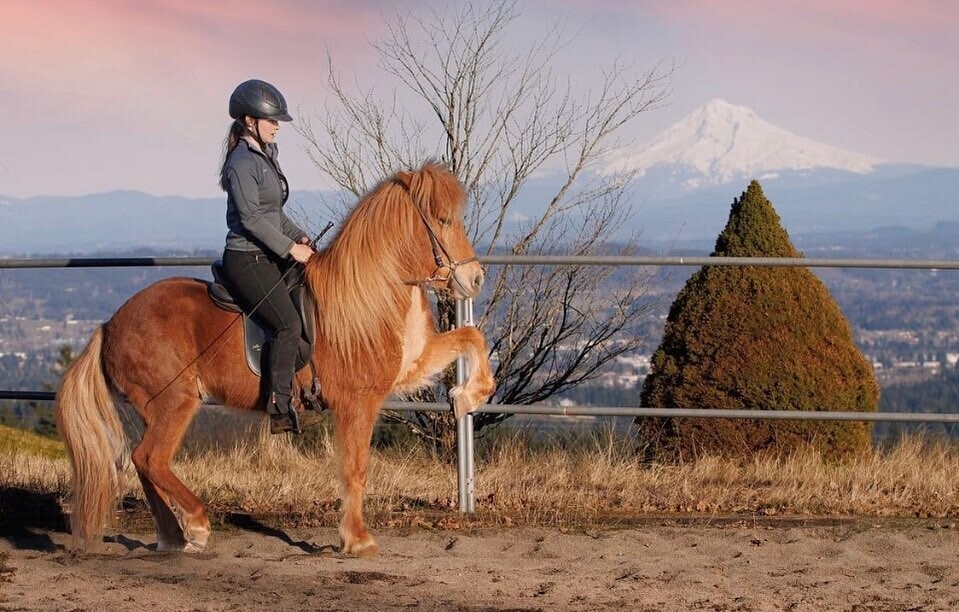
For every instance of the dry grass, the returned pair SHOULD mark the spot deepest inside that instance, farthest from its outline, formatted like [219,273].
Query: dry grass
[564,482]
[31,462]
[603,478]
[14,440]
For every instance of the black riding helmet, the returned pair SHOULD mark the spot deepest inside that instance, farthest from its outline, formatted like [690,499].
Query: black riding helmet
[258,99]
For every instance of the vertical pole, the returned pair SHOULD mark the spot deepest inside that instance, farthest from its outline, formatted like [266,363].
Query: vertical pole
[464,427]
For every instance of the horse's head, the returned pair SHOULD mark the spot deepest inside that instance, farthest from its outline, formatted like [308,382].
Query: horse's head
[408,230]
[445,257]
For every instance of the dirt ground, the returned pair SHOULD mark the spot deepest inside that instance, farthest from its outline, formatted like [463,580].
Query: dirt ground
[660,565]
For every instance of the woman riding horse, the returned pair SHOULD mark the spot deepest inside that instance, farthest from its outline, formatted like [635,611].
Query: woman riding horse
[169,348]
[262,242]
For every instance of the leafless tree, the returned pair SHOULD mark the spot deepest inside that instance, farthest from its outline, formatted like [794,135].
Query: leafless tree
[498,118]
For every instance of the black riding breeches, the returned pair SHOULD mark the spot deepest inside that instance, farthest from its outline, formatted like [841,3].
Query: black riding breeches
[256,278]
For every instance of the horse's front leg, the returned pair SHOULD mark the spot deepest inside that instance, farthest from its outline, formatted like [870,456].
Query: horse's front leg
[353,427]
[480,384]
[442,350]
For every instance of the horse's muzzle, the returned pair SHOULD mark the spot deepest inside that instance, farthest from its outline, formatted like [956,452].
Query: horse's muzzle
[469,279]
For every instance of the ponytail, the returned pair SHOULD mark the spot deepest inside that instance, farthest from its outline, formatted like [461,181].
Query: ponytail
[237,129]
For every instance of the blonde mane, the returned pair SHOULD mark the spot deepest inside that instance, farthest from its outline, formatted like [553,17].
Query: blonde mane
[359,279]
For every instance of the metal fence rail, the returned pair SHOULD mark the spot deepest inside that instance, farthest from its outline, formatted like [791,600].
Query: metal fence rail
[764,262]
[535,260]
[464,316]
[103,262]
[622,411]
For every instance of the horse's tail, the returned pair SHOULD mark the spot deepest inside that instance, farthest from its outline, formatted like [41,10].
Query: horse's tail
[90,427]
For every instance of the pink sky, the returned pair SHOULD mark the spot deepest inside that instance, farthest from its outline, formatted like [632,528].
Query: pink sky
[102,95]
[876,76]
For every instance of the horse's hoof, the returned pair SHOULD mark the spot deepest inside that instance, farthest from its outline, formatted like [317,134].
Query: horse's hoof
[464,403]
[196,539]
[184,547]
[461,404]
[364,549]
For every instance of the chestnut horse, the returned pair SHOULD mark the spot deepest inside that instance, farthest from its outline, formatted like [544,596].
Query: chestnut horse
[165,352]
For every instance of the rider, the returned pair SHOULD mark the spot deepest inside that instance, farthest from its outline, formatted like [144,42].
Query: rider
[262,242]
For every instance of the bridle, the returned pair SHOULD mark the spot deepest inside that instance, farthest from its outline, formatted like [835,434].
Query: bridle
[439,252]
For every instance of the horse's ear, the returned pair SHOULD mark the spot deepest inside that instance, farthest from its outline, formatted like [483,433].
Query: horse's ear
[405,179]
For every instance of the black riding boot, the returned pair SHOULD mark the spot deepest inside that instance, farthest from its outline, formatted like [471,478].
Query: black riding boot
[283,416]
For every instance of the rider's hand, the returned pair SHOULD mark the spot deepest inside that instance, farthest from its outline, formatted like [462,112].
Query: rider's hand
[301,253]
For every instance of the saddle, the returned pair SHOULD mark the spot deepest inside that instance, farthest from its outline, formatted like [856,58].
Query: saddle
[255,336]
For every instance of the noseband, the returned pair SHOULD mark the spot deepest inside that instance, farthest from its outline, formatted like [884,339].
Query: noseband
[439,252]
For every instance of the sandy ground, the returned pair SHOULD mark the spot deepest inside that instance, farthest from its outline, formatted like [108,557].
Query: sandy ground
[860,565]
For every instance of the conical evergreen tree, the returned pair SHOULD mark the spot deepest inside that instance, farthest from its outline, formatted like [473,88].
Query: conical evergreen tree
[756,338]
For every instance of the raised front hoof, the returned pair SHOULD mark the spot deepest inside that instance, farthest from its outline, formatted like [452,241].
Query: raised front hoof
[366,547]
[465,402]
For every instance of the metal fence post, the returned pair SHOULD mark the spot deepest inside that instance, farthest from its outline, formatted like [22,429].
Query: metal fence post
[464,427]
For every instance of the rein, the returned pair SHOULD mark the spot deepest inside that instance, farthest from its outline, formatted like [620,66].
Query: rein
[439,251]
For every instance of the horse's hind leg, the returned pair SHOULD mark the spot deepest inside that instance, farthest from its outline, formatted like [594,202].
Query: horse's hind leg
[180,517]
[353,422]
[169,533]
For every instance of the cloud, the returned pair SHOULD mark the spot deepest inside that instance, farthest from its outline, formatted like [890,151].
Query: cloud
[98,53]
[791,15]
[869,23]
[904,40]
[144,83]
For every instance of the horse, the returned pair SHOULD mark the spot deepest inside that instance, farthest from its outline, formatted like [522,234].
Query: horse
[169,349]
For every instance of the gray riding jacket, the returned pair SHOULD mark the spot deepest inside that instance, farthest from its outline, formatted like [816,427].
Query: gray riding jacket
[256,192]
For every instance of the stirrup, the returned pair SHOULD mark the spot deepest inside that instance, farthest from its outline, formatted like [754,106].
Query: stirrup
[311,399]
[283,422]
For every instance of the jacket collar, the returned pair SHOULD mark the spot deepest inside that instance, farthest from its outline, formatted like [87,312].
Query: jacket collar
[254,146]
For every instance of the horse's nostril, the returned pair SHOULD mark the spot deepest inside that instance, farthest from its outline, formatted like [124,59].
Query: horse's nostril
[478,280]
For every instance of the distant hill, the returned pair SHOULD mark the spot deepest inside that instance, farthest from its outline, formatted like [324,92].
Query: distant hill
[125,220]
[687,178]
[852,204]
[118,220]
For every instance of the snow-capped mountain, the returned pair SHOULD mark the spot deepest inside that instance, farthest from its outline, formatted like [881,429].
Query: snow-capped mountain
[723,142]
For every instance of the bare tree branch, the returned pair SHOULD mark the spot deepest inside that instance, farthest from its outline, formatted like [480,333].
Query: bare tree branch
[499,118]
